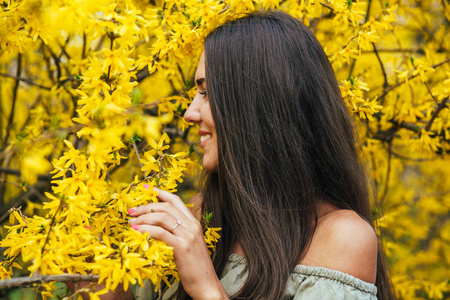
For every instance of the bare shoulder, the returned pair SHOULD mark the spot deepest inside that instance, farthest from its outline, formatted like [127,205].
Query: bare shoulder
[345,242]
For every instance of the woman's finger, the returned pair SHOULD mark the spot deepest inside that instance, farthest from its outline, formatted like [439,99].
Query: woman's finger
[156,207]
[158,233]
[164,220]
[175,201]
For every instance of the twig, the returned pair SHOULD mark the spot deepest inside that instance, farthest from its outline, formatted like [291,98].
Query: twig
[436,112]
[29,281]
[83,52]
[431,94]
[389,89]
[108,78]
[10,182]
[410,158]
[161,158]
[164,15]
[63,50]
[420,51]
[369,4]
[352,66]
[327,6]
[57,61]
[16,204]
[181,73]
[79,291]
[138,156]
[51,225]
[224,10]
[388,174]
[15,91]
[385,84]
[160,292]
[26,80]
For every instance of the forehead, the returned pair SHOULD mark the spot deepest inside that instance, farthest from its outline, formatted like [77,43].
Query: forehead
[200,74]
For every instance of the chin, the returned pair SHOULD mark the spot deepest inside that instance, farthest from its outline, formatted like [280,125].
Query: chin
[209,165]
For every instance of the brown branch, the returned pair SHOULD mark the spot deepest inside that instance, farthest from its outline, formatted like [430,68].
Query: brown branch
[57,61]
[352,66]
[17,173]
[111,46]
[19,200]
[410,158]
[385,84]
[327,6]
[136,151]
[83,52]
[52,223]
[390,133]
[431,94]
[389,89]
[434,230]
[369,4]
[436,112]
[26,80]
[14,99]
[224,10]
[161,158]
[388,174]
[142,74]
[181,74]
[30,281]
[10,182]
[420,51]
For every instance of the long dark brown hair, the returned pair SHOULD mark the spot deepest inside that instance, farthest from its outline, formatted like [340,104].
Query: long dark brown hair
[285,140]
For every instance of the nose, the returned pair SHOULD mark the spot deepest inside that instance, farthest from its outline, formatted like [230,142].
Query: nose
[192,114]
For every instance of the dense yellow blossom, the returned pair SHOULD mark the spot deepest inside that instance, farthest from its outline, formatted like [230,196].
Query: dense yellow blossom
[92,99]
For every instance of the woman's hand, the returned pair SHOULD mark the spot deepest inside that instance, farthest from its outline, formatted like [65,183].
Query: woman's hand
[171,222]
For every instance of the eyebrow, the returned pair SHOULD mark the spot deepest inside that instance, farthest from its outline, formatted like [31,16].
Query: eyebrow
[200,81]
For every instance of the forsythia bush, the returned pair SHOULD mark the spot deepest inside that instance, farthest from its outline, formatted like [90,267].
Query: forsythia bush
[92,98]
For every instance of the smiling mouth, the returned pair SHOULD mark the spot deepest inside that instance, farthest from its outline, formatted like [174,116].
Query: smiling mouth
[204,139]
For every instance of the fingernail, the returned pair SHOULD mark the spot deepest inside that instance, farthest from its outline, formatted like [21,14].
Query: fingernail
[146,186]
[131,221]
[131,210]
[135,227]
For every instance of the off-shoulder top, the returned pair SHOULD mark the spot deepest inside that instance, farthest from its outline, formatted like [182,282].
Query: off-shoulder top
[305,283]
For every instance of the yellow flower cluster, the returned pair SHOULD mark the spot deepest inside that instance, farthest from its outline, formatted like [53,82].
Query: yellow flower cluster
[96,90]
[352,93]
[86,229]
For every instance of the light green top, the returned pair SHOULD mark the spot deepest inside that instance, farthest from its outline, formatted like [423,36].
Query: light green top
[305,283]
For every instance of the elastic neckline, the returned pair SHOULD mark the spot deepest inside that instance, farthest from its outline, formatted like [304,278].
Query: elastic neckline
[322,272]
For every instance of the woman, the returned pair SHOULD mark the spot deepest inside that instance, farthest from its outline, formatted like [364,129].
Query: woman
[283,178]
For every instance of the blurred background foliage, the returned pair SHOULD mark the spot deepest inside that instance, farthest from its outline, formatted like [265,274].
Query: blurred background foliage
[59,61]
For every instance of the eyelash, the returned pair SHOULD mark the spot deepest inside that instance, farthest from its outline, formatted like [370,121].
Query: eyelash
[203,94]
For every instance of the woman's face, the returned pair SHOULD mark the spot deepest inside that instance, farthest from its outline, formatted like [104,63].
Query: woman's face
[199,112]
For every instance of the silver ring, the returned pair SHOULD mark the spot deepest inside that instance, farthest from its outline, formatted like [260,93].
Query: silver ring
[176,225]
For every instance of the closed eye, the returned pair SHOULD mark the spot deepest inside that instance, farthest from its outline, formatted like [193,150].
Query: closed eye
[203,93]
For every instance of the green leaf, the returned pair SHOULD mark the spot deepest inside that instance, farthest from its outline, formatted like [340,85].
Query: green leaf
[136,96]
[136,138]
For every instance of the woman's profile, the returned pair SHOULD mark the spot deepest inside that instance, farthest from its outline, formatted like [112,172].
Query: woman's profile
[283,178]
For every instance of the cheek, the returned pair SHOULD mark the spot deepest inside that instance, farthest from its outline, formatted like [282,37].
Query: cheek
[208,117]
